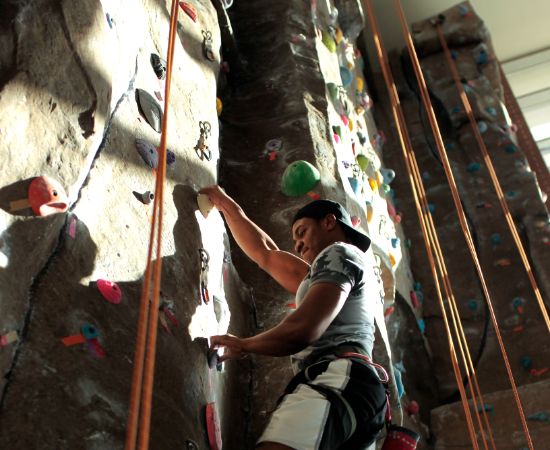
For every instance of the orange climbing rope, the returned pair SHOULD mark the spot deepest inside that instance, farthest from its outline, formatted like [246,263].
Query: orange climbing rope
[144,361]
[458,205]
[492,173]
[431,240]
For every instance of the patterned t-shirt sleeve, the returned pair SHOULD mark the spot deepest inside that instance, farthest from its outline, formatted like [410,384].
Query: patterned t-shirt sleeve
[337,264]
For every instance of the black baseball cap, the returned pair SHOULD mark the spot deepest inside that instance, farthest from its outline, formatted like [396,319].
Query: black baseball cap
[318,209]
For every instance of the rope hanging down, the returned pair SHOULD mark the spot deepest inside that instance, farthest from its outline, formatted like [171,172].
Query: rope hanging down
[458,206]
[144,360]
[431,241]
[492,173]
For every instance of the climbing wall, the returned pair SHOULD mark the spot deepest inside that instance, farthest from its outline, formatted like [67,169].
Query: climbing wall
[516,308]
[81,100]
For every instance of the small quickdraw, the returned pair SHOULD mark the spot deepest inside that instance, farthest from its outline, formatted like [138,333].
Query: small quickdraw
[207,46]
[201,149]
[205,258]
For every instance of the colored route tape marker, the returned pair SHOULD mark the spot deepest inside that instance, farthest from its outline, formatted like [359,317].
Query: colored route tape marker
[75,339]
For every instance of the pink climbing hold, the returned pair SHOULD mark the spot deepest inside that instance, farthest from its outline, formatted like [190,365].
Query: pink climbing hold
[110,291]
[355,221]
[413,408]
[414,299]
[345,120]
[213,427]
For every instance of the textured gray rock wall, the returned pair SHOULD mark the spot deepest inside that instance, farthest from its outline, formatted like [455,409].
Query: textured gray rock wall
[68,110]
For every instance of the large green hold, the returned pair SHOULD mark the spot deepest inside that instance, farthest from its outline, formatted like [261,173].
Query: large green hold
[299,178]
[328,41]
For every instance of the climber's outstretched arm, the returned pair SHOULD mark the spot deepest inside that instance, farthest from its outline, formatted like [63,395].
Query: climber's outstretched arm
[287,269]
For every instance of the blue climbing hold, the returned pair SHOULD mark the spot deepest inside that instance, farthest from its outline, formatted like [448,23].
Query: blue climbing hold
[496,239]
[449,146]
[463,10]
[110,20]
[398,382]
[456,110]
[510,195]
[482,126]
[518,302]
[473,167]
[454,54]
[346,75]
[421,325]
[395,242]
[526,362]
[417,286]
[511,148]
[355,185]
[487,407]
[408,243]
[388,175]
[482,57]
[539,417]
[431,207]
[473,304]
[492,111]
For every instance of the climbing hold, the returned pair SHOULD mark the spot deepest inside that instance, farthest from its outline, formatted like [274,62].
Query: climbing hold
[189,444]
[346,76]
[344,119]
[538,372]
[510,195]
[207,46]
[517,304]
[333,92]
[398,379]
[417,286]
[109,290]
[511,148]
[189,10]
[45,196]
[8,338]
[482,57]
[486,407]
[503,262]
[454,54]
[299,178]
[388,174]
[145,198]
[526,362]
[491,111]
[74,339]
[391,208]
[496,239]
[363,162]
[328,41]
[337,130]
[482,126]
[338,35]
[370,213]
[110,20]
[148,153]
[386,188]
[456,110]
[150,109]
[473,304]
[473,167]
[213,427]
[463,10]
[393,262]
[159,66]
[397,218]
[71,228]
[89,331]
[414,299]
[389,311]
[362,138]
[219,106]
[201,149]
[350,125]
[336,138]
[212,357]
[355,184]
[539,417]
[431,208]
[359,83]
[274,145]
[413,408]
[170,157]
[373,184]
[408,243]
[421,325]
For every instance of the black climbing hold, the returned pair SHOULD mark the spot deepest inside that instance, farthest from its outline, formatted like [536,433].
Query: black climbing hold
[145,198]
[159,66]
[148,152]
[212,357]
[150,109]
[191,445]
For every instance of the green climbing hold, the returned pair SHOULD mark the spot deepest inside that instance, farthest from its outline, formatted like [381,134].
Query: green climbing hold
[363,162]
[328,41]
[299,178]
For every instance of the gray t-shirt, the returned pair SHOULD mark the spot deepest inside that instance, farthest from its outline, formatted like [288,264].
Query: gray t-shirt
[344,265]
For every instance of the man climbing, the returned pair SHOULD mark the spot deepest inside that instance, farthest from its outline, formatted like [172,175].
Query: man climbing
[336,399]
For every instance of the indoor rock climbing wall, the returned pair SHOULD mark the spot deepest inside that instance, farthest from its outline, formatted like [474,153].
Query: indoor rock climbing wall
[81,102]
[516,308]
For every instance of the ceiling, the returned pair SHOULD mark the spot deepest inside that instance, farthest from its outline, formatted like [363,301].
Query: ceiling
[506,20]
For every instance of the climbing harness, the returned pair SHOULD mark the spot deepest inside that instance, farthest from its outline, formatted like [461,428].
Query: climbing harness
[201,149]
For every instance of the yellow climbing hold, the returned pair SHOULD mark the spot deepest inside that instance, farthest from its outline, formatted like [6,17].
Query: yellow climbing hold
[373,184]
[338,35]
[370,213]
[219,106]
[360,84]
[392,260]
[359,110]
[328,41]
[379,178]
[350,125]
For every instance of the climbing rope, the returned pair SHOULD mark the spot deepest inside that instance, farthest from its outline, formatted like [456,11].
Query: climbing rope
[428,230]
[492,173]
[144,360]
[458,206]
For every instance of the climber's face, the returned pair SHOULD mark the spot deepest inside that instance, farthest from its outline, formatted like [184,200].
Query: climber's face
[311,236]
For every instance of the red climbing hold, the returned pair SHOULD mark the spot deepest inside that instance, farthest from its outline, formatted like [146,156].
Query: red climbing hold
[413,408]
[213,427]
[189,10]
[47,196]
[110,291]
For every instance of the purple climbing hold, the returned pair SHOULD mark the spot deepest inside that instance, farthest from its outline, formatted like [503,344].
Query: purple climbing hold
[148,153]
[170,157]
